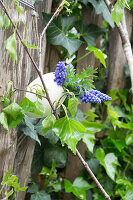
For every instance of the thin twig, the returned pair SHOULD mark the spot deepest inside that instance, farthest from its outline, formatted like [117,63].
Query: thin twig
[44,30]
[30,92]
[52,106]
[93,176]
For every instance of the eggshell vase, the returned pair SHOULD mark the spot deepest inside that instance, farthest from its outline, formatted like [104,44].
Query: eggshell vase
[55,92]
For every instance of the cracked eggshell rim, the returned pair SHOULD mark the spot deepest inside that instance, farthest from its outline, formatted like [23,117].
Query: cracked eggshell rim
[55,92]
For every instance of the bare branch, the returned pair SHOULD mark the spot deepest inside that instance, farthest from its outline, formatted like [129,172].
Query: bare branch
[93,176]
[15,89]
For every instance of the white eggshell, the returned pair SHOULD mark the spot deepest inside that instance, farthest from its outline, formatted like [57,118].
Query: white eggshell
[55,92]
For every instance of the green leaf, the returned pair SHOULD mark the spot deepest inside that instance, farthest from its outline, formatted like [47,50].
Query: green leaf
[89,32]
[41,195]
[56,153]
[11,47]
[94,165]
[98,54]
[72,106]
[79,117]
[3,121]
[88,139]
[6,176]
[28,106]
[9,193]
[111,163]
[1,20]
[8,23]
[108,161]
[13,110]
[20,9]
[57,33]
[129,194]
[69,132]
[14,114]
[93,127]
[100,7]
[100,156]
[48,123]
[78,187]
[123,95]
[33,188]
[39,108]
[91,115]
[37,162]
[31,46]
[129,139]
[117,12]
[28,129]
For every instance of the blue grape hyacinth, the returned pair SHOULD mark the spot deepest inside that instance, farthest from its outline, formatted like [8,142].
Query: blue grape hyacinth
[89,97]
[66,74]
[94,96]
[60,73]
[100,95]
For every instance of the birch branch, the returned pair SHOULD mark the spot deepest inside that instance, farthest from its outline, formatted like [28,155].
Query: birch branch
[125,42]
[48,98]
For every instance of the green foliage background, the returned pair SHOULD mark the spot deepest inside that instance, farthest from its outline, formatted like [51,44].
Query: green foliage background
[109,138]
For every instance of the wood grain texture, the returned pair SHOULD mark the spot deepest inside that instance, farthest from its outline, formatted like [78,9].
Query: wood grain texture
[117,60]
[16,150]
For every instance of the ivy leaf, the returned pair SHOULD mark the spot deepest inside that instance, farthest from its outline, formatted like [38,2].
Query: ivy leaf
[98,54]
[123,95]
[33,188]
[28,129]
[56,153]
[40,195]
[93,127]
[57,33]
[117,12]
[13,110]
[28,106]
[108,161]
[88,139]
[129,139]
[48,123]
[78,187]
[69,132]
[100,7]
[3,121]
[11,47]
[72,106]
[129,194]
[1,20]
[89,32]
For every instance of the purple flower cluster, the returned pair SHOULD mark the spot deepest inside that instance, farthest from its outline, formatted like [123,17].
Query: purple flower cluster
[60,73]
[94,96]
[89,97]
[100,95]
